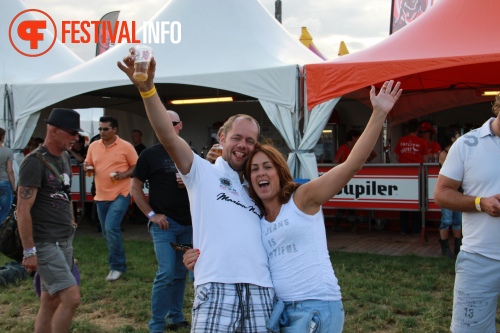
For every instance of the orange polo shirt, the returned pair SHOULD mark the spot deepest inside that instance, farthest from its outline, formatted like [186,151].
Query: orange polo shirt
[119,156]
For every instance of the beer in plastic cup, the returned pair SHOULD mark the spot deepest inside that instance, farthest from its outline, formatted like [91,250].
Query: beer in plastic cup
[143,55]
[217,149]
[89,171]
[112,175]
[180,184]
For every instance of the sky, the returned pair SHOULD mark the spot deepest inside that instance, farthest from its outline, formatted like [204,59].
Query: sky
[358,23]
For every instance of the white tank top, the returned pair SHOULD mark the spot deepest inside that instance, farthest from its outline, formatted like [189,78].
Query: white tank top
[298,256]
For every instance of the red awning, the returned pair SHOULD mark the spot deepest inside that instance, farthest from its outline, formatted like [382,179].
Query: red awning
[452,46]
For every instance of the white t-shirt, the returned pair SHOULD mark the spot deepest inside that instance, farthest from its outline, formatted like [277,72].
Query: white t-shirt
[298,256]
[474,159]
[226,226]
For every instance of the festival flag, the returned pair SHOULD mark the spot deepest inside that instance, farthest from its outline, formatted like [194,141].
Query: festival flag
[404,12]
[104,42]
[343,49]
[307,40]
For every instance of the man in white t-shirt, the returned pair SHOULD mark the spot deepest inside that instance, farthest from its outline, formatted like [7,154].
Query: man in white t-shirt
[233,287]
[473,163]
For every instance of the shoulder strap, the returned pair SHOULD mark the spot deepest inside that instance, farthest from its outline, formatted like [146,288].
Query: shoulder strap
[49,165]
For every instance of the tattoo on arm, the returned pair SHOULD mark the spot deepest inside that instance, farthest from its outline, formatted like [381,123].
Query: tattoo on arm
[26,193]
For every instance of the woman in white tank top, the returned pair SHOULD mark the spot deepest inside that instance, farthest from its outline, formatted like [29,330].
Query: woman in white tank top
[293,233]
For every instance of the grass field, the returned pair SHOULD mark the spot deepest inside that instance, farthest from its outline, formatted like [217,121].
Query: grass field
[380,293]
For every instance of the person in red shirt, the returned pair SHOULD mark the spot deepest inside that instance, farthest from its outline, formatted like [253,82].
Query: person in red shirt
[352,137]
[426,131]
[411,149]
[343,152]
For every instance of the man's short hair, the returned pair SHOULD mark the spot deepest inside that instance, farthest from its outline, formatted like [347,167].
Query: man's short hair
[229,123]
[109,119]
[351,134]
[496,105]
[137,131]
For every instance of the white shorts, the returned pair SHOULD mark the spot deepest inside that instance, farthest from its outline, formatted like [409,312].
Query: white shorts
[475,299]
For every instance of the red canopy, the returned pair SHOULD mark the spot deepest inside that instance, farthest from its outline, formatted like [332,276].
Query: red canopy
[452,46]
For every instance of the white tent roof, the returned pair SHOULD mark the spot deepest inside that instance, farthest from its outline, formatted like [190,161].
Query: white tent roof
[16,68]
[226,44]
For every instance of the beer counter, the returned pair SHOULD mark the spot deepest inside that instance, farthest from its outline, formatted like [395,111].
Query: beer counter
[376,187]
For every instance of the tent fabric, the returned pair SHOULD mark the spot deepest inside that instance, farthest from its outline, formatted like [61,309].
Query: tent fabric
[241,48]
[235,46]
[16,68]
[316,121]
[251,54]
[452,46]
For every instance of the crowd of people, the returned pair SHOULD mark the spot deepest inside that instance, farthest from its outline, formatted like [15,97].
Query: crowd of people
[259,252]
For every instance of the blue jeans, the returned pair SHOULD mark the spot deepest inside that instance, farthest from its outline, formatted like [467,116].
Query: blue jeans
[312,316]
[5,199]
[170,281]
[449,217]
[111,214]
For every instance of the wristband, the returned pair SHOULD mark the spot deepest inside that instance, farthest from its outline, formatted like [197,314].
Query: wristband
[478,204]
[148,93]
[151,214]
[31,252]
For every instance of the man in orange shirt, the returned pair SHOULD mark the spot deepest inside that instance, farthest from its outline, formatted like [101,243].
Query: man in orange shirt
[113,160]
[411,149]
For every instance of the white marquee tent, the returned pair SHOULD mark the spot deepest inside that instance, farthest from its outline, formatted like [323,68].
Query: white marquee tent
[16,68]
[227,45]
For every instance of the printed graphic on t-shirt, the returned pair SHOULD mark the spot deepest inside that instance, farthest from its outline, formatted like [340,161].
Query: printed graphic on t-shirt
[272,243]
[169,166]
[410,148]
[225,184]
[59,190]
[224,197]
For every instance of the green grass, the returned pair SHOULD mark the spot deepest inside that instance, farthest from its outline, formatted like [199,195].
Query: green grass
[380,293]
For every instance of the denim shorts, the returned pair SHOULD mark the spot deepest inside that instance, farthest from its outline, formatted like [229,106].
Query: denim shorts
[55,263]
[449,217]
[311,316]
[475,297]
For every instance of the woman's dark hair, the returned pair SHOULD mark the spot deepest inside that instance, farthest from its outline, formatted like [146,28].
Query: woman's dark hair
[2,133]
[448,134]
[288,186]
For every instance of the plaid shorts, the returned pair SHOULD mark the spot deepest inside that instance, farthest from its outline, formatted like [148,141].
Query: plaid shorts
[226,307]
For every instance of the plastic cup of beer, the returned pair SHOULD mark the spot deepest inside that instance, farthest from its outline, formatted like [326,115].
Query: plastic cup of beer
[180,183]
[143,55]
[217,149]
[89,171]
[113,179]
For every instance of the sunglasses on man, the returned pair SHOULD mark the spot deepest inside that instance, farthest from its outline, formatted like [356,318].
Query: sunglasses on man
[104,129]
[70,132]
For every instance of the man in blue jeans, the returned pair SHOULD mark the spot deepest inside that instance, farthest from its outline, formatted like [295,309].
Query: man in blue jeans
[113,160]
[169,221]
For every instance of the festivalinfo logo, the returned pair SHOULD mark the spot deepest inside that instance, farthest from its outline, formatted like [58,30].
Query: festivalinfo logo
[35,37]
